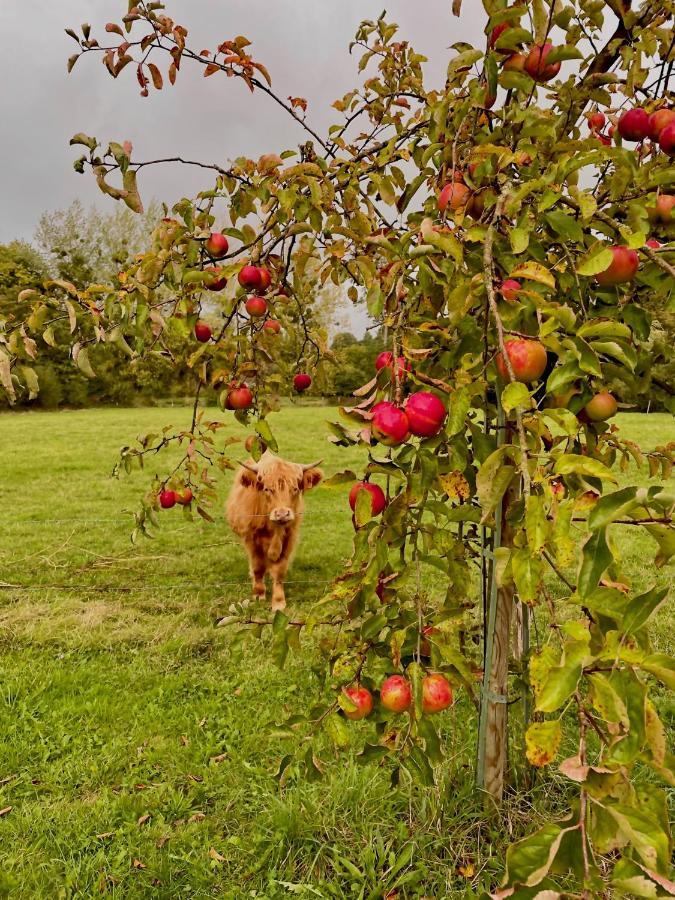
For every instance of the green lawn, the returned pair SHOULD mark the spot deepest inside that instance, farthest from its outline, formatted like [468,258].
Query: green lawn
[137,758]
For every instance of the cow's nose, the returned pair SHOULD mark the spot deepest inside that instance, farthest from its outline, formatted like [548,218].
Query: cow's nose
[282,514]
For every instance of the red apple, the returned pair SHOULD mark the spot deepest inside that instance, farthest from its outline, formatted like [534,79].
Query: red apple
[265,279]
[622,268]
[662,211]
[601,407]
[256,307]
[184,497]
[301,382]
[634,124]
[239,397]
[396,693]
[510,290]
[362,699]
[203,332]
[653,243]
[596,120]
[385,359]
[167,499]
[272,325]
[217,245]
[389,424]
[426,414]
[249,277]
[377,502]
[659,120]
[515,63]
[667,139]
[453,195]
[216,281]
[604,139]
[436,694]
[528,360]
[536,65]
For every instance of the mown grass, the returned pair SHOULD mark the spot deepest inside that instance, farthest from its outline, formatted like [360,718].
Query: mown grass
[138,759]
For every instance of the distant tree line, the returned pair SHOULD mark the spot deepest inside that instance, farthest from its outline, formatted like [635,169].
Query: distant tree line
[89,246]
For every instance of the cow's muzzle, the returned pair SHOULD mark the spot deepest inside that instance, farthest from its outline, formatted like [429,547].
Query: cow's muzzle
[282,515]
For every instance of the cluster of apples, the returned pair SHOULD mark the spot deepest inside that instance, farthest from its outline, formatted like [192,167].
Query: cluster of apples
[168,498]
[535,63]
[422,415]
[254,279]
[636,125]
[396,696]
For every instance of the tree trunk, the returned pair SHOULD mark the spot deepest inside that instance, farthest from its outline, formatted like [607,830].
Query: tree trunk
[493,733]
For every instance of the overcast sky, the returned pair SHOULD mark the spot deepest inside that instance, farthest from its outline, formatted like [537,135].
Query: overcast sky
[304,44]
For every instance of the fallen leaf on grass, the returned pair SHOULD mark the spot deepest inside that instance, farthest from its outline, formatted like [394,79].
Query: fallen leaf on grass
[143,819]
[218,759]
[3,812]
[213,853]
[137,864]
[105,835]
[197,817]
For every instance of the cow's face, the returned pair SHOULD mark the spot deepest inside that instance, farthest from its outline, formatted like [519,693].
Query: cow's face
[279,486]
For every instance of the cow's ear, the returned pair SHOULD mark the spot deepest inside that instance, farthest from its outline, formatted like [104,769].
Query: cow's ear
[248,479]
[311,478]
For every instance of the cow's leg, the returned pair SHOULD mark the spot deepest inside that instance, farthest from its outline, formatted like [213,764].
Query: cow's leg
[258,566]
[278,572]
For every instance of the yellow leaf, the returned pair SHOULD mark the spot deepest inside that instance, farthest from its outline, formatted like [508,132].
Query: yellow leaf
[213,853]
[455,486]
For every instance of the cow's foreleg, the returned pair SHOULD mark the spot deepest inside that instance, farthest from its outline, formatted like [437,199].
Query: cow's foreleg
[278,572]
[258,566]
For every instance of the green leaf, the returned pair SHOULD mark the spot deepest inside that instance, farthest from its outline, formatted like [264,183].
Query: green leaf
[515,394]
[83,364]
[623,353]
[606,700]
[664,536]
[520,239]
[564,225]
[527,572]
[131,197]
[561,681]
[611,507]
[263,429]
[645,835]
[563,52]
[90,142]
[542,740]
[595,260]
[346,477]
[596,559]
[534,271]
[661,666]
[642,608]
[530,860]
[571,463]
[458,407]
[492,480]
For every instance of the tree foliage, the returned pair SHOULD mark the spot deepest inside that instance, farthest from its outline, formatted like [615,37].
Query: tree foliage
[423,201]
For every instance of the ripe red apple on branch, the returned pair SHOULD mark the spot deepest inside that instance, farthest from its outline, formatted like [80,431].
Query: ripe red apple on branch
[385,361]
[510,290]
[216,280]
[623,267]
[256,307]
[167,499]
[239,397]
[273,326]
[362,699]
[389,424]
[301,382]
[536,64]
[634,125]
[203,332]
[426,414]
[528,360]
[436,693]
[660,120]
[601,407]
[396,694]
[378,498]
[184,496]
[216,245]
[249,277]
[454,195]
[667,139]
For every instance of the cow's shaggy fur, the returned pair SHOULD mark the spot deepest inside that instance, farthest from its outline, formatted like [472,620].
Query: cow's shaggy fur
[265,509]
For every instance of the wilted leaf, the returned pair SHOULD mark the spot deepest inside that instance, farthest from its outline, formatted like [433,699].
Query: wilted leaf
[542,740]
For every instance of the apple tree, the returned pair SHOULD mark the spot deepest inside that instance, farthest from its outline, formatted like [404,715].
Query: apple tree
[511,230]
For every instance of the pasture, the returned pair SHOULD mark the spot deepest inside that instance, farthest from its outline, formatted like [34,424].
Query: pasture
[138,760]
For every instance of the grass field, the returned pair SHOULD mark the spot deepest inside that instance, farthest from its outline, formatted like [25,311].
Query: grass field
[136,757]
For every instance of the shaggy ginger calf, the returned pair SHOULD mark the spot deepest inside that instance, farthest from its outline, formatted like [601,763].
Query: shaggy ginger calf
[265,509]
